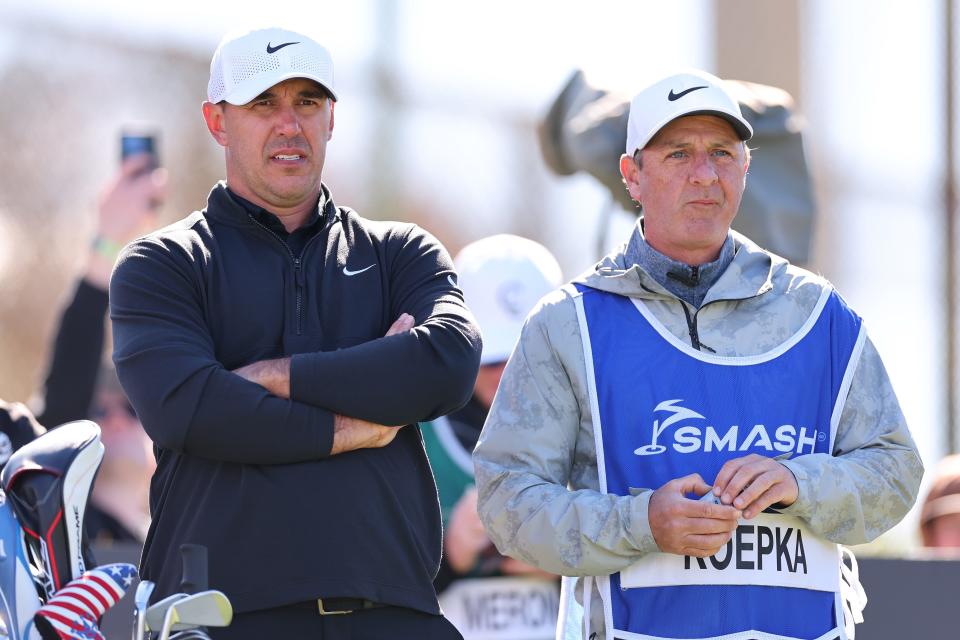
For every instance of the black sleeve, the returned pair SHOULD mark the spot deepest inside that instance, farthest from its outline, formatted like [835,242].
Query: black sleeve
[75,361]
[187,401]
[407,378]
[445,575]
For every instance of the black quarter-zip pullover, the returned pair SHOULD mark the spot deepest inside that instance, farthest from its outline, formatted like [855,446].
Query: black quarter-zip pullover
[249,474]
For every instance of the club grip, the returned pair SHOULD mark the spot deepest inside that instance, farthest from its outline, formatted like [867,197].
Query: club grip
[194,577]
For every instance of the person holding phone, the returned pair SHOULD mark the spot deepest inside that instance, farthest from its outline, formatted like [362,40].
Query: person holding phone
[77,383]
[127,207]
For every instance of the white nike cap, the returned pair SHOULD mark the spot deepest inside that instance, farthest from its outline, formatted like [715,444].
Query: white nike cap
[690,93]
[502,278]
[246,65]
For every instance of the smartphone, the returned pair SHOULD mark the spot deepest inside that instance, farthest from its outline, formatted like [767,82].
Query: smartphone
[134,143]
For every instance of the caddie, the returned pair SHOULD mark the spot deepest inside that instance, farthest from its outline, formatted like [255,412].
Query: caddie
[692,427]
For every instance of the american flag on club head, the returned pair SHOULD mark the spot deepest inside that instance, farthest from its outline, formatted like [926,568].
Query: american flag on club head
[73,611]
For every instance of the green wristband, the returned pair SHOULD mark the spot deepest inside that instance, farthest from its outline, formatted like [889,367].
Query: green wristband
[106,248]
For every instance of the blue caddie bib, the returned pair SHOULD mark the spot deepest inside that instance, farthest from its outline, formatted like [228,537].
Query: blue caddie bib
[663,410]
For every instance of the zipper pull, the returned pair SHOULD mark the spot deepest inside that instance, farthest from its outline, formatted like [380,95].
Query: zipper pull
[298,272]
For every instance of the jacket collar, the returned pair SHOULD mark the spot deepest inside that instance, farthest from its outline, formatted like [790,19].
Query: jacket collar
[225,208]
[750,274]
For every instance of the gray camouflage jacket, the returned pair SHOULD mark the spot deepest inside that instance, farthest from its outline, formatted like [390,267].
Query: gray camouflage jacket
[536,466]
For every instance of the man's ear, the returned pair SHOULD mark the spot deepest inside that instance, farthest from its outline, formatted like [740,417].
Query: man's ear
[213,115]
[631,176]
[330,130]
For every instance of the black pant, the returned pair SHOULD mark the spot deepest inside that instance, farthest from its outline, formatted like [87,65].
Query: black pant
[371,624]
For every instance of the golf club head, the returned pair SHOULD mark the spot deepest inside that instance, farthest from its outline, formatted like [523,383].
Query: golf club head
[140,601]
[142,596]
[205,609]
[156,613]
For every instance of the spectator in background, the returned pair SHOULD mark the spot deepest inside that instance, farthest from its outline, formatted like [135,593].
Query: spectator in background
[126,209]
[940,515]
[119,501]
[79,385]
[17,428]
[502,278]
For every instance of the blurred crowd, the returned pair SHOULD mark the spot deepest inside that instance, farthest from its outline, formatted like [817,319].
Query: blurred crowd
[80,383]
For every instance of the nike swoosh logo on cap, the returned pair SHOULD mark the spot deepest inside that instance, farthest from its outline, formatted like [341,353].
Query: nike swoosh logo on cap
[676,96]
[347,272]
[279,46]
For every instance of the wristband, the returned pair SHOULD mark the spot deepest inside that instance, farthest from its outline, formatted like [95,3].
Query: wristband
[106,248]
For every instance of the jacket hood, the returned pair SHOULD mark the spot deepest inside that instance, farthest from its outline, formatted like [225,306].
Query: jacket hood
[750,274]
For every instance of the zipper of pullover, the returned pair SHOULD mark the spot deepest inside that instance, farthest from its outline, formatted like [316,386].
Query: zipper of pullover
[692,329]
[691,322]
[691,326]
[299,278]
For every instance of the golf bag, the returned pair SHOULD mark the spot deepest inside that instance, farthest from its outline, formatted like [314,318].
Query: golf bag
[48,483]
[18,592]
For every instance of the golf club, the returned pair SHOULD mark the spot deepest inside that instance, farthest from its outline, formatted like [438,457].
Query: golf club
[156,613]
[140,601]
[205,609]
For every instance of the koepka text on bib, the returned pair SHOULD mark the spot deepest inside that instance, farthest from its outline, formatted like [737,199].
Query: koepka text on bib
[770,550]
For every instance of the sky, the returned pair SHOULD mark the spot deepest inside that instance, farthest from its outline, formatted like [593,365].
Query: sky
[528,46]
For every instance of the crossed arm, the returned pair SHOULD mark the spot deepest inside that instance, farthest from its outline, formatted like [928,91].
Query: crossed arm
[189,402]
[349,433]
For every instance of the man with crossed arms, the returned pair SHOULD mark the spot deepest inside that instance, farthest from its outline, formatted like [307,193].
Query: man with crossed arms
[275,345]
